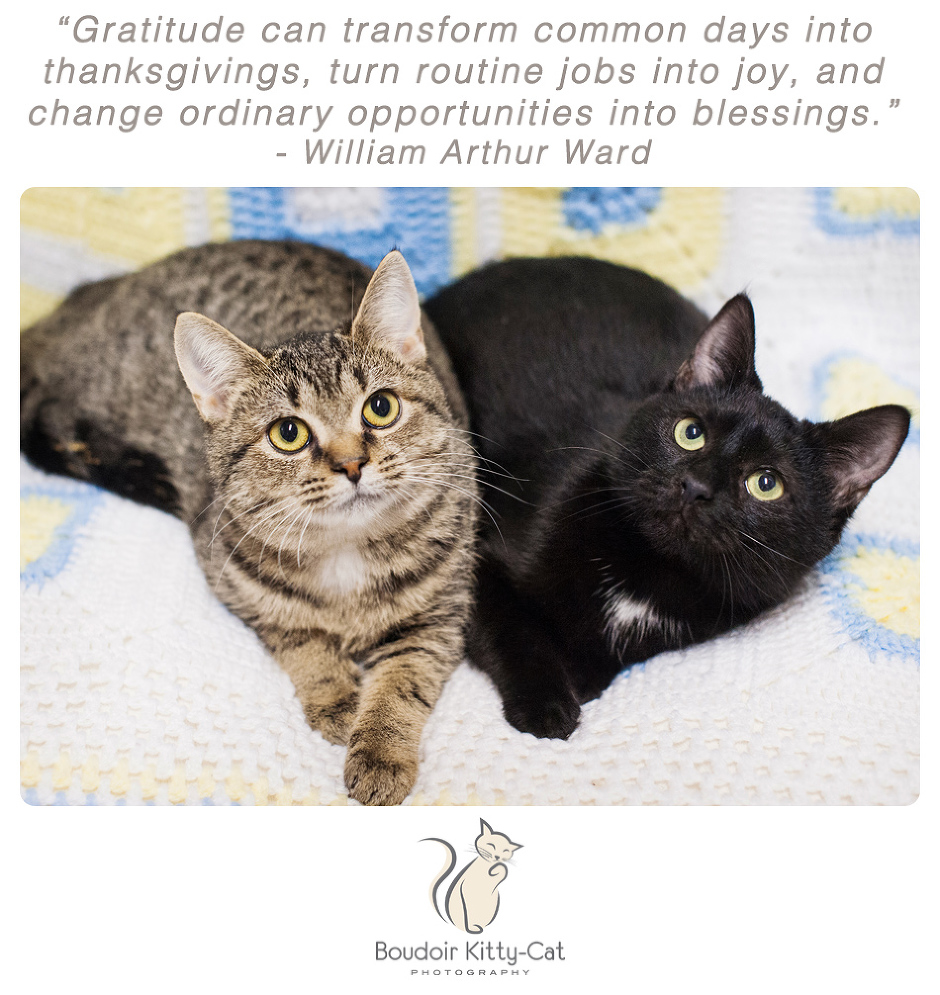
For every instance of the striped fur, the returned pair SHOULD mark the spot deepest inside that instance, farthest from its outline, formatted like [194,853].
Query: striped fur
[358,581]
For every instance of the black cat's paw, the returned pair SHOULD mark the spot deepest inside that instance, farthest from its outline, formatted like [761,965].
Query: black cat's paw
[546,716]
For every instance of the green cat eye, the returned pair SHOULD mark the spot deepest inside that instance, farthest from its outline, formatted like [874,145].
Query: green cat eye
[381,410]
[689,434]
[764,485]
[289,435]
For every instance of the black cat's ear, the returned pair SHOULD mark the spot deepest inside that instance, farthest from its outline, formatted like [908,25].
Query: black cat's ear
[213,362]
[390,315]
[724,355]
[859,449]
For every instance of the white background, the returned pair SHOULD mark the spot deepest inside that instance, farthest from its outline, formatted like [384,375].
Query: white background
[642,900]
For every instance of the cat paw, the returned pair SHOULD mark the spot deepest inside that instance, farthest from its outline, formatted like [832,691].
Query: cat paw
[547,718]
[333,718]
[373,778]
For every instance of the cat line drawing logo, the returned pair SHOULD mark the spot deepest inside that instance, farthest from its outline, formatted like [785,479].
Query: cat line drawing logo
[472,899]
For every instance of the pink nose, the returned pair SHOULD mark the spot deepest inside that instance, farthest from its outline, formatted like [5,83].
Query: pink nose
[351,467]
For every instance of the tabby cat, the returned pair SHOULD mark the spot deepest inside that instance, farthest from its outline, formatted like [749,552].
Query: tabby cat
[323,470]
[654,496]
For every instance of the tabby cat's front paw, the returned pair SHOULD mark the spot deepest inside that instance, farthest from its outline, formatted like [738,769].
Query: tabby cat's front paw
[546,716]
[379,776]
[333,716]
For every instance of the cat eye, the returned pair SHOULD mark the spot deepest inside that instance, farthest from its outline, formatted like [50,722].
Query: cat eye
[764,485]
[689,434]
[290,435]
[381,410]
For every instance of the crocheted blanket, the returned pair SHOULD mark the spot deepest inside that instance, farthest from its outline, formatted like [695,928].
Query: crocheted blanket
[138,687]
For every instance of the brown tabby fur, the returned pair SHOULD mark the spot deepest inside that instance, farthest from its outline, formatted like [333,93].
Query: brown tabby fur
[359,587]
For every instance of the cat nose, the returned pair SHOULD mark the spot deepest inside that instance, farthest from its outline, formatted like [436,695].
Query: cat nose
[694,490]
[351,466]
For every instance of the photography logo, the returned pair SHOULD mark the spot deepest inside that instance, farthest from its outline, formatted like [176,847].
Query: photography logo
[472,898]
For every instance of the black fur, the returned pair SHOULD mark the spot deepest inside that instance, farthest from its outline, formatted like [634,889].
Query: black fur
[101,458]
[577,373]
[39,445]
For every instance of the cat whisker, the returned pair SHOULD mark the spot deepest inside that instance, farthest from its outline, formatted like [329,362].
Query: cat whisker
[625,497]
[469,452]
[204,510]
[260,504]
[726,585]
[509,494]
[777,552]
[444,468]
[257,524]
[271,534]
[479,455]
[479,473]
[493,487]
[606,455]
[773,571]
[476,435]
[598,508]
[438,476]
[280,548]
[483,504]
[218,518]
[300,538]
[617,442]
[472,466]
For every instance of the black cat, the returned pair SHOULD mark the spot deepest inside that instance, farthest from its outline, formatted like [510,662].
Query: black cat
[660,497]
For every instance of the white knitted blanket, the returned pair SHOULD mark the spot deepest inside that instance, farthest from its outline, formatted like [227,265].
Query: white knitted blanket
[138,687]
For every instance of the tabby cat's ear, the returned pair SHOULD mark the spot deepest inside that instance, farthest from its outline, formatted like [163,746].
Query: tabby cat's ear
[724,355]
[213,361]
[390,315]
[859,449]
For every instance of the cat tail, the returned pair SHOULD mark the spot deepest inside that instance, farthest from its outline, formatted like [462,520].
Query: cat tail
[449,865]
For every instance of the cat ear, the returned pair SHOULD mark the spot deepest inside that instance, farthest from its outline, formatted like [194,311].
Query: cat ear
[390,315]
[484,828]
[212,361]
[860,448]
[724,355]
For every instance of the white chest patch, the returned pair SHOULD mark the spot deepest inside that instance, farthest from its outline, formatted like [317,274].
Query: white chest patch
[624,615]
[344,571]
